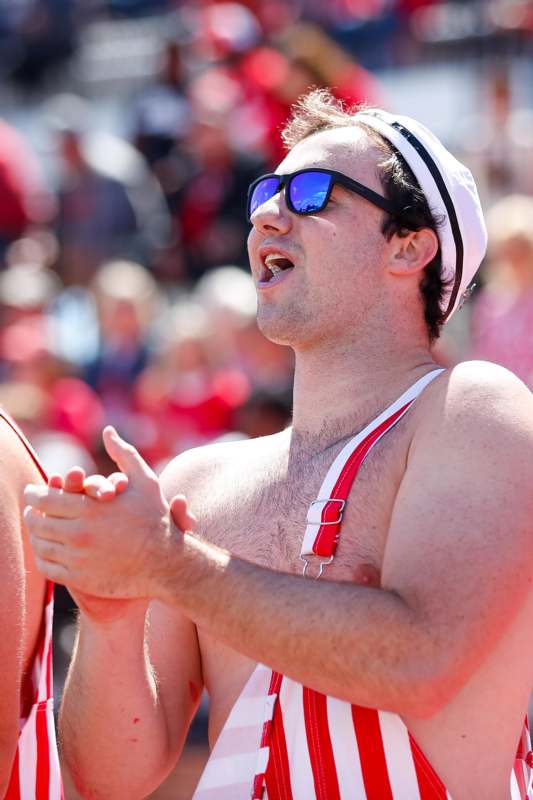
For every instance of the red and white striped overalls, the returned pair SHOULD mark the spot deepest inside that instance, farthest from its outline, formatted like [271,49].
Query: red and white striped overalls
[35,774]
[284,741]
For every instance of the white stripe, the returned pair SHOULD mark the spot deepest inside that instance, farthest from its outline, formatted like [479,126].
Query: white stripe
[345,750]
[515,790]
[248,710]
[336,468]
[236,769]
[399,758]
[291,699]
[28,757]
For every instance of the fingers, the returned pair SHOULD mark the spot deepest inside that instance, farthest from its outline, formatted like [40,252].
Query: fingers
[99,488]
[74,480]
[55,502]
[96,486]
[119,481]
[184,519]
[125,455]
[56,481]
[48,528]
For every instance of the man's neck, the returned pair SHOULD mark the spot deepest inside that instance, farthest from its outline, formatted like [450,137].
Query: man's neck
[337,393]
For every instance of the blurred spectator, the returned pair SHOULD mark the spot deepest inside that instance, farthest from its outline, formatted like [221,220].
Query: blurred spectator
[42,36]
[498,141]
[108,203]
[185,391]
[24,200]
[502,317]
[161,113]
[210,207]
[228,296]
[127,302]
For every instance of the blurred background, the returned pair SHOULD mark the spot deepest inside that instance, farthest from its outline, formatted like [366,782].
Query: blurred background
[129,131]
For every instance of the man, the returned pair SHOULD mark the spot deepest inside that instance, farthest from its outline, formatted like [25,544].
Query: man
[405,671]
[29,766]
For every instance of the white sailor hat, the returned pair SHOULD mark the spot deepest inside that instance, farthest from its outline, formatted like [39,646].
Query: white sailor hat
[451,194]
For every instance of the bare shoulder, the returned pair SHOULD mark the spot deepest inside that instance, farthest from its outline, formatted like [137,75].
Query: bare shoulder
[476,402]
[16,468]
[194,471]
[470,462]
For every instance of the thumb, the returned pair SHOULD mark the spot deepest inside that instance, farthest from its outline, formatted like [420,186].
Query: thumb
[184,519]
[125,455]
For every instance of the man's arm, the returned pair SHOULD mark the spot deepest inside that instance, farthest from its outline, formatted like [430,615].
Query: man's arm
[457,565]
[127,703]
[457,568]
[132,686]
[12,594]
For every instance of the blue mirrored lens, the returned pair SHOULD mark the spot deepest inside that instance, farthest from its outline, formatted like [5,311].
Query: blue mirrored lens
[309,190]
[264,190]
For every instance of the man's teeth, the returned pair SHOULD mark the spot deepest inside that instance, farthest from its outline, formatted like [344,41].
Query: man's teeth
[276,263]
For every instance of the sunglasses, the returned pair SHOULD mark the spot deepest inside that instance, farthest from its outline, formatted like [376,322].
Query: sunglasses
[307,191]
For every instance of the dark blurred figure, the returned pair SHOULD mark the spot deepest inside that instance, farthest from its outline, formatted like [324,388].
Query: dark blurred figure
[40,38]
[95,214]
[210,208]
[263,414]
[109,204]
[161,113]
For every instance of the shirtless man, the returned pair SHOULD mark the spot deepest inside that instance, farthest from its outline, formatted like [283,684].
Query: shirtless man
[425,610]
[29,766]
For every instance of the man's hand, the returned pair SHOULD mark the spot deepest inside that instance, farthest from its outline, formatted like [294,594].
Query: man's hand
[117,549]
[100,610]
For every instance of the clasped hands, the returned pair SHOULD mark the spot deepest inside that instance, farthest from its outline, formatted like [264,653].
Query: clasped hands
[106,537]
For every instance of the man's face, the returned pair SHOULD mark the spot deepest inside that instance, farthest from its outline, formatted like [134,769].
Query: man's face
[337,253]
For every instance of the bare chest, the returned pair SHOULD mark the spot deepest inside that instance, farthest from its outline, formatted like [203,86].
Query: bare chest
[258,511]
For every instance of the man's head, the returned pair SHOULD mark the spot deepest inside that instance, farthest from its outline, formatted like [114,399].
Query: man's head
[384,153]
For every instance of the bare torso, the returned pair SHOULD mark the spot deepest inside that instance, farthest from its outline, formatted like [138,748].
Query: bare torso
[254,504]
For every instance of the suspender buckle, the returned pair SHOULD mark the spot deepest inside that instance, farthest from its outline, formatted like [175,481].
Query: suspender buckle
[322,566]
[325,501]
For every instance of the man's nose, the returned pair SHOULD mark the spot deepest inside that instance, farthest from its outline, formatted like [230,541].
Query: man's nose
[273,215]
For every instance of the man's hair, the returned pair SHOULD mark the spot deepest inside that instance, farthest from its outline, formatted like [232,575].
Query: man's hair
[318,111]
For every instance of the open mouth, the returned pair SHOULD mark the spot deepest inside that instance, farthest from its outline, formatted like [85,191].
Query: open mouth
[274,265]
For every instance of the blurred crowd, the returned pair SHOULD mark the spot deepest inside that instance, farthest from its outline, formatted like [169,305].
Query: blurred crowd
[124,293]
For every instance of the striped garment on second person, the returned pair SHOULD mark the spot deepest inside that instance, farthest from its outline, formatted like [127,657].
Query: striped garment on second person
[35,774]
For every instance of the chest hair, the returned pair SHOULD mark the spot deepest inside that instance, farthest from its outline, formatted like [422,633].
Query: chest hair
[257,509]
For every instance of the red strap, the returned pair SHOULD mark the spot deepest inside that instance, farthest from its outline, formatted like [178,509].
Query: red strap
[328,535]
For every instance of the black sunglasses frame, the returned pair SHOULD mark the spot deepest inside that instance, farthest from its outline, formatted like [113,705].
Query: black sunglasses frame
[284,181]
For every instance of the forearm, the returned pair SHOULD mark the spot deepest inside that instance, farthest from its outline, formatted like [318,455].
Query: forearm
[357,643]
[112,726]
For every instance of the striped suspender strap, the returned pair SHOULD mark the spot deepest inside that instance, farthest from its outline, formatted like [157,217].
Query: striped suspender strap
[325,513]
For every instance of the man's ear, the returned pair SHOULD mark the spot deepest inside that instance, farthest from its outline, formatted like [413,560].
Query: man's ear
[413,252]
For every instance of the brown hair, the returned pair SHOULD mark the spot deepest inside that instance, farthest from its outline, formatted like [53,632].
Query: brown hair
[319,110]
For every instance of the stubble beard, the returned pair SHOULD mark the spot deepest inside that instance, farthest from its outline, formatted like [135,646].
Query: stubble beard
[286,325]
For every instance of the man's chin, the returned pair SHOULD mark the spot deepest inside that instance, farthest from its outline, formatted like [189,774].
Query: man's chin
[275,329]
